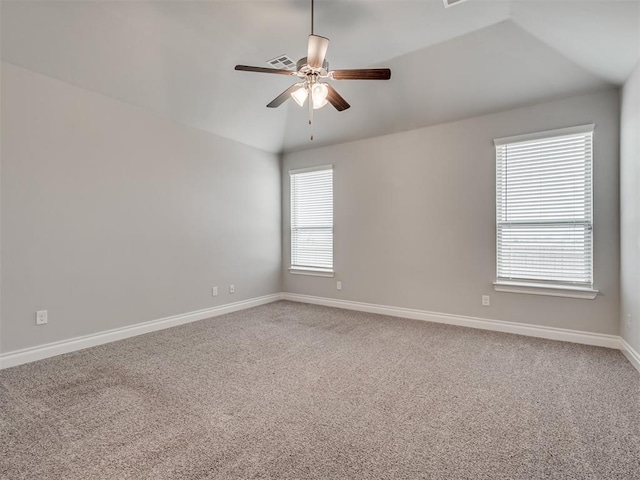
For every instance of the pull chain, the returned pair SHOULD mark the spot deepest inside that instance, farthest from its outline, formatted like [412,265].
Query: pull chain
[310,113]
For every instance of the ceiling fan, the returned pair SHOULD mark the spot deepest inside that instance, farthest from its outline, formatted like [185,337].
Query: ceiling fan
[312,72]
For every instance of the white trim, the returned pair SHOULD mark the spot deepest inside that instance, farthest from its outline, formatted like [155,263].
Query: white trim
[630,353]
[544,289]
[19,357]
[559,132]
[310,169]
[551,333]
[312,272]
[26,355]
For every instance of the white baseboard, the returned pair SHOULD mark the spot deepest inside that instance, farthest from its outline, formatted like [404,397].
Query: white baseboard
[18,357]
[574,336]
[630,353]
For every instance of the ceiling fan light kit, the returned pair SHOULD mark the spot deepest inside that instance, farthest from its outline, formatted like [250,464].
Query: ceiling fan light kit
[313,71]
[311,85]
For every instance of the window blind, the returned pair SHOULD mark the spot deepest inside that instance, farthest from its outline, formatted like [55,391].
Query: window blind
[544,208]
[312,218]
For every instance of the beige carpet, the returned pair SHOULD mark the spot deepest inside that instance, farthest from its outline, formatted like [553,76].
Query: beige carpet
[292,391]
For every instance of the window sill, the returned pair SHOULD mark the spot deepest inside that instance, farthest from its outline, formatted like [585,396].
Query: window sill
[544,289]
[314,272]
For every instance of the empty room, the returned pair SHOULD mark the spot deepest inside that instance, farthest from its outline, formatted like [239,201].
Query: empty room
[330,239]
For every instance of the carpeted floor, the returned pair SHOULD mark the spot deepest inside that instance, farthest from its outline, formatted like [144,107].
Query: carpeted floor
[293,391]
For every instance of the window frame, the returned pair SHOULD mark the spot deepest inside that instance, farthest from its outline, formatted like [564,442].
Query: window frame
[305,269]
[542,287]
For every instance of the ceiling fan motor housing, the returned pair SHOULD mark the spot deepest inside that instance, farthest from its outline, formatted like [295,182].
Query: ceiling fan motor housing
[304,69]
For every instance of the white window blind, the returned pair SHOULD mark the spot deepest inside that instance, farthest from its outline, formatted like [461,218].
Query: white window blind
[312,218]
[544,208]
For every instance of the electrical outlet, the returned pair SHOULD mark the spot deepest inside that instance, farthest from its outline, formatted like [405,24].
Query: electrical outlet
[338,285]
[41,317]
[214,292]
[486,300]
[628,321]
[232,289]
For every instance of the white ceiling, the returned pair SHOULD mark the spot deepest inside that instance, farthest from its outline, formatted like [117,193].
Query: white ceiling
[176,58]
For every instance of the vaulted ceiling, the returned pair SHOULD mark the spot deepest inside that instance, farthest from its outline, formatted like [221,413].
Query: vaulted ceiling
[176,58]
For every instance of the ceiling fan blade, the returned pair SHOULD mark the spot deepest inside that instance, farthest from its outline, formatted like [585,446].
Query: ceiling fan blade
[247,68]
[362,74]
[283,97]
[335,99]
[317,50]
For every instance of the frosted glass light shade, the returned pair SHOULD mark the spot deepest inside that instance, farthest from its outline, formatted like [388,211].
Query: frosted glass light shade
[300,95]
[319,93]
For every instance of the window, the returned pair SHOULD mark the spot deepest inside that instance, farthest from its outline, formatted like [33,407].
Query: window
[544,213]
[312,220]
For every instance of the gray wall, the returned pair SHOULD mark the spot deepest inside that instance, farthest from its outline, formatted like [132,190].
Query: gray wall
[113,216]
[630,209]
[415,218]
